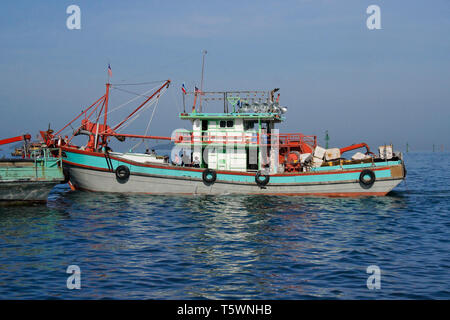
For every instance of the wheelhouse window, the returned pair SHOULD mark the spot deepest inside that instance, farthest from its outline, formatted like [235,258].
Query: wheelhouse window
[227,124]
[249,125]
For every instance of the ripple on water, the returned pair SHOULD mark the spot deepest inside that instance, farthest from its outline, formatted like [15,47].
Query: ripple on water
[233,247]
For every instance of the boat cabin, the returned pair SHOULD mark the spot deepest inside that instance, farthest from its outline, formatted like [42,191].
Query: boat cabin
[244,139]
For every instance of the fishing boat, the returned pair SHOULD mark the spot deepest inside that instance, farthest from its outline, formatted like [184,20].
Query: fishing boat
[235,151]
[31,177]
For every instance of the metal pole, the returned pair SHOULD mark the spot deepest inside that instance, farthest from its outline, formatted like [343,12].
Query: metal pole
[224,102]
[201,83]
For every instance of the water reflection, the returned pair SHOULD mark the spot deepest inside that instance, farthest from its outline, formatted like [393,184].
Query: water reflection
[147,246]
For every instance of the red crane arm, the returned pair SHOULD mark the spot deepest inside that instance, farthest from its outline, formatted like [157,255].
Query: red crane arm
[139,136]
[356,146]
[15,139]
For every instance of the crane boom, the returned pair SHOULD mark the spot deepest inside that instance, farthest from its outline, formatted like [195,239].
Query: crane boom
[15,139]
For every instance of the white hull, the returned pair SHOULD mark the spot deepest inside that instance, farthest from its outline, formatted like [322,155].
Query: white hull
[92,180]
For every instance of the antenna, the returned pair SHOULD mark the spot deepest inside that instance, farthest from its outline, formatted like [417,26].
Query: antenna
[327,138]
[204,52]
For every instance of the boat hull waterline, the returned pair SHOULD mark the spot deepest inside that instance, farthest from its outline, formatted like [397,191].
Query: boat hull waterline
[27,191]
[29,180]
[93,171]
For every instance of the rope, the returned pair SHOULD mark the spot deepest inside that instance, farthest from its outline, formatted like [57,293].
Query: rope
[151,118]
[138,113]
[131,92]
[175,100]
[134,117]
[137,84]
[133,99]
[148,126]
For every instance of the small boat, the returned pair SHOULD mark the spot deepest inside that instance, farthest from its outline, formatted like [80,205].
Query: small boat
[237,151]
[31,177]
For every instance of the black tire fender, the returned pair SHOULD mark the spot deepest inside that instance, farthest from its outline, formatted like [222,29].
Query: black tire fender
[209,176]
[122,173]
[366,184]
[261,179]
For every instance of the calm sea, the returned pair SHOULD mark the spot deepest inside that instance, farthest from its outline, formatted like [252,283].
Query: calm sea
[234,247]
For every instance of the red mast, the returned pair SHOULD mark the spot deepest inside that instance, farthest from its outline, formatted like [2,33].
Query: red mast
[104,137]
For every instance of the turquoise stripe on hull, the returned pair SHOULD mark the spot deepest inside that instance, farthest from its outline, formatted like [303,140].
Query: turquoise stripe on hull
[100,162]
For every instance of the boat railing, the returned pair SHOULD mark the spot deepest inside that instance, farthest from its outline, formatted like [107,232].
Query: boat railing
[293,139]
[244,138]
[40,164]
[46,156]
[230,99]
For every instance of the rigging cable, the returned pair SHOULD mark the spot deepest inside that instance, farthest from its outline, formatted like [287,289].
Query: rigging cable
[148,126]
[131,100]
[138,113]
[137,84]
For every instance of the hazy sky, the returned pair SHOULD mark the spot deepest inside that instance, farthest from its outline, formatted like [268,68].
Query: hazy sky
[377,86]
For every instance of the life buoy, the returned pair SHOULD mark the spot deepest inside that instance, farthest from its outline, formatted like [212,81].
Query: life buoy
[209,176]
[262,180]
[122,173]
[363,181]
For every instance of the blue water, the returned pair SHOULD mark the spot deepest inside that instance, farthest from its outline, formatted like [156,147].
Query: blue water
[234,247]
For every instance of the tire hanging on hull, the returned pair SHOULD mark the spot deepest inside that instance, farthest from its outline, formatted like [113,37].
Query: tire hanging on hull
[209,176]
[122,173]
[262,180]
[367,184]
